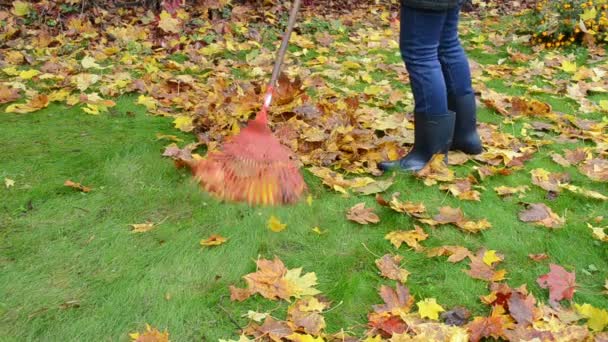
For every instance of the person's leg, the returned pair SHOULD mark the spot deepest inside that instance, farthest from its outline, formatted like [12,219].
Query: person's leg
[434,123]
[461,97]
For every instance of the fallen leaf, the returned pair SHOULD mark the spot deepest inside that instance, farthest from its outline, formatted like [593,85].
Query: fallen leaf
[8,94]
[396,300]
[561,283]
[410,237]
[540,214]
[490,257]
[480,270]
[486,327]
[595,169]
[318,231]
[549,181]
[213,240]
[8,182]
[523,308]
[390,268]
[597,319]
[76,186]
[150,335]
[141,227]
[275,224]
[538,257]
[428,308]
[455,253]
[273,280]
[167,23]
[598,233]
[507,191]
[585,192]
[458,316]
[358,213]
[256,316]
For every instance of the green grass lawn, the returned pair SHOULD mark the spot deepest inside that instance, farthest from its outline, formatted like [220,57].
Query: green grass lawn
[59,245]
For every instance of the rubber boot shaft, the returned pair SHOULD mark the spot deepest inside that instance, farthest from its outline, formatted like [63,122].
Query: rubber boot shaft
[465,138]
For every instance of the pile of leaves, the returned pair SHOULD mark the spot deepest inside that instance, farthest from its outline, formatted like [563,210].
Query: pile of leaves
[565,22]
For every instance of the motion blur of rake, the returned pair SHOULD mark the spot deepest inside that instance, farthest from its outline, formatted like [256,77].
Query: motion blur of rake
[253,166]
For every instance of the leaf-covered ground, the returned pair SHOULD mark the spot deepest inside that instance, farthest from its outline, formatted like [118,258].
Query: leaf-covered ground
[85,102]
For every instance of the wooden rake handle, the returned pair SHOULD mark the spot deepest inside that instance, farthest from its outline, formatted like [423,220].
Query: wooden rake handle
[262,116]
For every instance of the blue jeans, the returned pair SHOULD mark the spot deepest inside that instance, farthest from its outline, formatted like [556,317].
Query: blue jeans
[434,58]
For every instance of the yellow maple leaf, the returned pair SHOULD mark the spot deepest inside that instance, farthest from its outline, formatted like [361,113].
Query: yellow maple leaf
[597,318]
[21,8]
[184,123]
[589,14]
[604,105]
[301,285]
[167,23]
[28,74]
[148,101]
[490,257]
[88,62]
[296,337]
[275,224]
[569,67]
[429,308]
[150,334]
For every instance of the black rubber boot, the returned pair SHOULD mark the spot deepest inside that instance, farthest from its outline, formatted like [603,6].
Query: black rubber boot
[432,135]
[465,138]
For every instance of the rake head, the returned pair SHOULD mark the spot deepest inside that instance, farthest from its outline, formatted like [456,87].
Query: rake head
[252,167]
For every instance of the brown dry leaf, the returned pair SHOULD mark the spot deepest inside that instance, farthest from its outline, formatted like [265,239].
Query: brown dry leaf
[455,216]
[523,308]
[538,257]
[529,107]
[560,160]
[435,171]
[213,240]
[462,189]
[507,191]
[150,335]
[77,186]
[273,280]
[549,181]
[410,237]
[417,210]
[542,215]
[305,315]
[8,94]
[455,253]
[485,327]
[358,213]
[596,169]
[390,268]
[396,301]
[480,270]
[142,227]
[35,103]
[577,156]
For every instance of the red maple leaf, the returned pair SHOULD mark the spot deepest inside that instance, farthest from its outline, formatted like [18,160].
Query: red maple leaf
[561,283]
